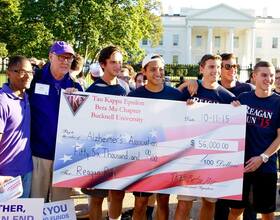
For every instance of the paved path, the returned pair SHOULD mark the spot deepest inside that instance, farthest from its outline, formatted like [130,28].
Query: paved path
[129,201]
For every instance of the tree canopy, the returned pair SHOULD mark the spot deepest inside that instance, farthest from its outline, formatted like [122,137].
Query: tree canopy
[30,26]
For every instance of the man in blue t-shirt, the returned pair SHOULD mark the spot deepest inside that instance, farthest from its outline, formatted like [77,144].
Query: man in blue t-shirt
[110,60]
[229,81]
[228,78]
[44,98]
[153,69]
[262,143]
[277,82]
[209,91]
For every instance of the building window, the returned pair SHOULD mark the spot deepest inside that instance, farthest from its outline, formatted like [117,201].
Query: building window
[259,42]
[217,41]
[144,42]
[161,41]
[236,42]
[175,39]
[275,42]
[258,60]
[175,59]
[274,62]
[198,41]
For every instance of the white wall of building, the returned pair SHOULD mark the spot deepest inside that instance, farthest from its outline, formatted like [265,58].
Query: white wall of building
[226,23]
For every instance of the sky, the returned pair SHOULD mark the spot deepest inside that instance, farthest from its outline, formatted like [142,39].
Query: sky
[272,6]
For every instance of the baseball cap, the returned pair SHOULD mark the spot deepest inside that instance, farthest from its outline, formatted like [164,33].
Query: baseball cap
[151,57]
[61,47]
[96,70]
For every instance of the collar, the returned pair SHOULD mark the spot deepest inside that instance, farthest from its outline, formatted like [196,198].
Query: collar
[10,93]
[47,75]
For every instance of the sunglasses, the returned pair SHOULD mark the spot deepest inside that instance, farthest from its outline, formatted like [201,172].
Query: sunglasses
[23,73]
[63,58]
[229,66]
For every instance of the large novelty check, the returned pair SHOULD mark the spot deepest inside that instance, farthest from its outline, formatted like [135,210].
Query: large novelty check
[135,144]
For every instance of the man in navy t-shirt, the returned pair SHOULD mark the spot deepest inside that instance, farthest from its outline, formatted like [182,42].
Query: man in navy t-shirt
[228,78]
[229,81]
[153,69]
[262,143]
[209,91]
[110,60]
[277,82]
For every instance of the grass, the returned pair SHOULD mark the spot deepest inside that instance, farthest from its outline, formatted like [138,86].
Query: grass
[3,79]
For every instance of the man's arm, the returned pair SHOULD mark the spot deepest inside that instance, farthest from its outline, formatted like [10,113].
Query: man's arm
[4,179]
[192,86]
[255,162]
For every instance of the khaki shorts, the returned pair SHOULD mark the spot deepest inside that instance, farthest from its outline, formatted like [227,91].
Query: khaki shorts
[101,193]
[41,186]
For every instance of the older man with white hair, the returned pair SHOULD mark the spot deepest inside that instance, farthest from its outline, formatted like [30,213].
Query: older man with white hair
[44,98]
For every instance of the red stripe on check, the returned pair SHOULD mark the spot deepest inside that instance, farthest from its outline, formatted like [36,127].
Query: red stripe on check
[186,178]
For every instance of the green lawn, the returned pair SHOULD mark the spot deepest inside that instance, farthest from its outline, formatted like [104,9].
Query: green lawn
[3,79]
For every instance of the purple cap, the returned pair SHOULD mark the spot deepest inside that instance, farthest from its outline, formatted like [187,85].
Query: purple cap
[61,47]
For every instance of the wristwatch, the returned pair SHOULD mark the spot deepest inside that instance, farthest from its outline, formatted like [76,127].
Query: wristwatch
[264,157]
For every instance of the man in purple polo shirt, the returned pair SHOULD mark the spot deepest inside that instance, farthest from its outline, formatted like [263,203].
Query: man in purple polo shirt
[15,153]
[44,98]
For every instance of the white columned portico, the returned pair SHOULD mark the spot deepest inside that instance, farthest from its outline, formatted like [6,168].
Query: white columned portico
[250,50]
[253,44]
[231,40]
[189,44]
[210,40]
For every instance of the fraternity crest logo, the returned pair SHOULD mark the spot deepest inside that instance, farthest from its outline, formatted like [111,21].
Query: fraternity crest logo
[75,101]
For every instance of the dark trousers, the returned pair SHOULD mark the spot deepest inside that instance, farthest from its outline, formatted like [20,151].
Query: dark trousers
[222,211]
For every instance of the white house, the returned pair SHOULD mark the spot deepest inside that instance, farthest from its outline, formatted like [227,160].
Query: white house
[194,32]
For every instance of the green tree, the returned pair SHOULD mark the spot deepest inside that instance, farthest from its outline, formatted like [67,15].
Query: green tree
[35,41]
[90,24]
[3,54]
[9,17]
[3,50]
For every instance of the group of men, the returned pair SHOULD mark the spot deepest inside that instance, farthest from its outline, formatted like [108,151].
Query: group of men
[29,106]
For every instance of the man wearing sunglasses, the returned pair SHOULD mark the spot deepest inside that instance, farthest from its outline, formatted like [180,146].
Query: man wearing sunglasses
[229,75]
[44,98]
[228,80]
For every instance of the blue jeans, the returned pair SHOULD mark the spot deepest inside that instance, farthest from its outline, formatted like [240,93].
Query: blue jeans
[26,184]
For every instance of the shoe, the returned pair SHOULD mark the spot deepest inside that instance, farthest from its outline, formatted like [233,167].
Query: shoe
[127,215]
[76,192]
